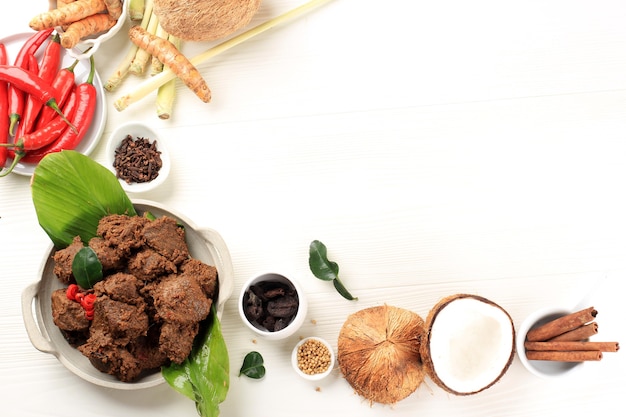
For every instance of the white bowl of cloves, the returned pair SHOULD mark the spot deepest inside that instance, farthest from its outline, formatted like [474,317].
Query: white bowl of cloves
[138,157]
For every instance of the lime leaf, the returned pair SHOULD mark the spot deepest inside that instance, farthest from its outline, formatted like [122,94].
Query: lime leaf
[341,289]
[87,268]
[320,266]
[325,269]
[71,193]
[252,366]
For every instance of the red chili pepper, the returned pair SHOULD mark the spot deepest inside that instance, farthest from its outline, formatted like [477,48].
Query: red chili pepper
[31,84]
[33,67]
[64,84]
[50,62]
[49,133]
[34,85]
[87,99]
[71,291]
[28,83]
[79,297]
[30,46]
[4,108]
[88,301]
[33,64]
[16,97]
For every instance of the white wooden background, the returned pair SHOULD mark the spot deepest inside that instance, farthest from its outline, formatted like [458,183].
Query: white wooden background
[435,147]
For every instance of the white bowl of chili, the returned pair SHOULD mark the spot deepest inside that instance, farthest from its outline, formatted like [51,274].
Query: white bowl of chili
[92,136]
[138,157]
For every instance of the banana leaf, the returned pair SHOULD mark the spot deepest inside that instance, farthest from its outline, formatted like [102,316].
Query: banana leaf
[203,376]
[71,193]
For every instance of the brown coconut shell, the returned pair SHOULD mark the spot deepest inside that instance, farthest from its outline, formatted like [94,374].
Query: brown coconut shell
[425,349]
[204,20]
[378,353]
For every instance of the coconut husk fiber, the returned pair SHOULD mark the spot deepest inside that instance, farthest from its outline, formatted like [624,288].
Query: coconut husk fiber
[204,20]
[378,353]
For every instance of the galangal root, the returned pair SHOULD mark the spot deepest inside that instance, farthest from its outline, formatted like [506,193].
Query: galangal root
[79,19]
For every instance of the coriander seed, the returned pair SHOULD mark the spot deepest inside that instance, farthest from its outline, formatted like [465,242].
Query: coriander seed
[313,357]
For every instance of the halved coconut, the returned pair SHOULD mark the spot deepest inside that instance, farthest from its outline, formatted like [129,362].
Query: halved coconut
[469,344]
[378,353]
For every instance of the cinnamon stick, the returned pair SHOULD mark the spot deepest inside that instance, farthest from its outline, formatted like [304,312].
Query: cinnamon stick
[561,325]
[580,333]
[570,356]
[572,346]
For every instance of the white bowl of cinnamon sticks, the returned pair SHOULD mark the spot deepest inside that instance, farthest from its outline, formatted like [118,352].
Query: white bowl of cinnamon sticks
[553,342]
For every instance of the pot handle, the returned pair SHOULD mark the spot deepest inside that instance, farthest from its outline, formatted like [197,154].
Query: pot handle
[39,341]
[216,244]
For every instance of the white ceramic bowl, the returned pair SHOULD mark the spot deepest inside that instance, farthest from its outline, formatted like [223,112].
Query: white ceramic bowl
[543,369]
[312,377]
[82,51]
[138,130]
[295,323]
[204,244]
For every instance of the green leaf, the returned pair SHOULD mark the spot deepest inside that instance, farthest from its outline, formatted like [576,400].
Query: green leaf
[87,268]
[343,291]
[203,376]
[319,264]
[326,270]
[252,366]
[71,193]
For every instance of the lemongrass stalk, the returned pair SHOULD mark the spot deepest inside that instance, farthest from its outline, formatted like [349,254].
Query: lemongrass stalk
[136,9]
[167,92]
[142,57]
[122,69]
[152,83]
[166,95]
[156,65]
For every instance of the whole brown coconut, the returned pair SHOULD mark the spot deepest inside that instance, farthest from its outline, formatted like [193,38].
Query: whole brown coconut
[204,20]
[378,353]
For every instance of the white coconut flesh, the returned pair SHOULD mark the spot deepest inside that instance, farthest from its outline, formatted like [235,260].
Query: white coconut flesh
[471,344]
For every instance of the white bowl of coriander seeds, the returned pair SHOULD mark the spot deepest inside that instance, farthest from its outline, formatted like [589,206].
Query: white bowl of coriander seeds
[138,157]
[313,358]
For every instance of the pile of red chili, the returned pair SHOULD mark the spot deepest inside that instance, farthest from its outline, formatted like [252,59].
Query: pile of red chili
[86,300]
[42,108]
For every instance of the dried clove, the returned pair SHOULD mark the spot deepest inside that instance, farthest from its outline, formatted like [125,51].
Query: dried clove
[137,160]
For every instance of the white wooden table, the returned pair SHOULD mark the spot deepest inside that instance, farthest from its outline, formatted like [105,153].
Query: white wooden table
[435,147]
